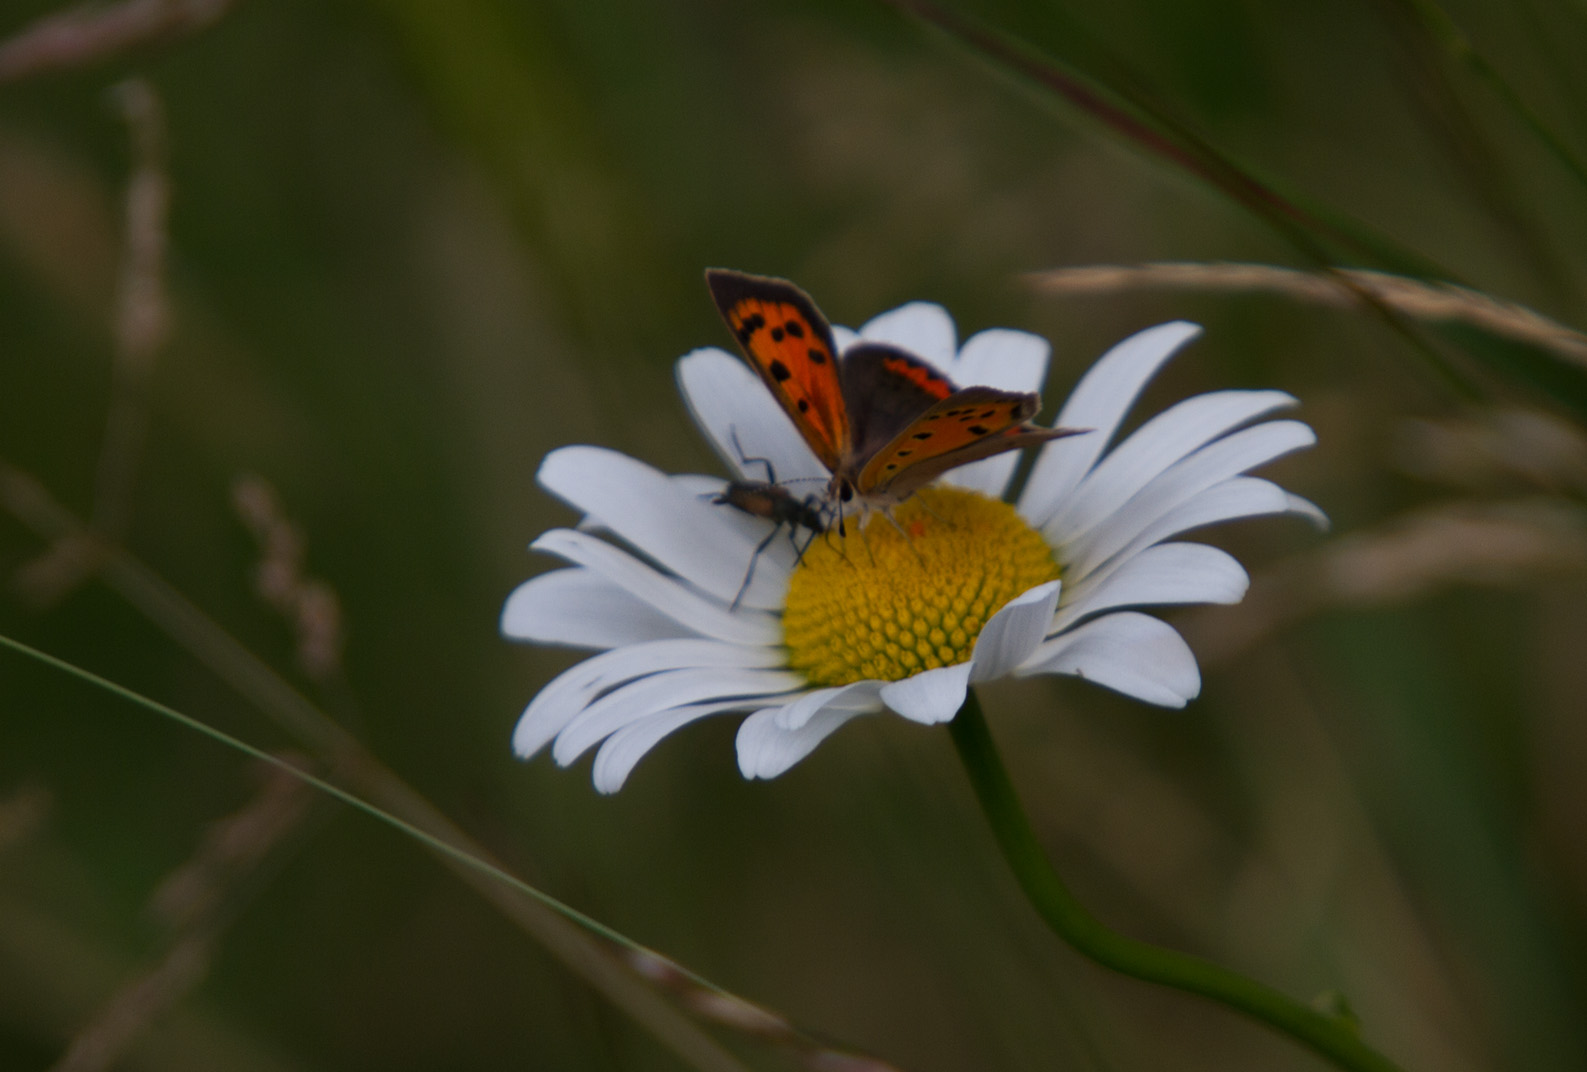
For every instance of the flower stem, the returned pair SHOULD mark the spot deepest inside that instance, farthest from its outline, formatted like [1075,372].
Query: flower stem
[1333,1037]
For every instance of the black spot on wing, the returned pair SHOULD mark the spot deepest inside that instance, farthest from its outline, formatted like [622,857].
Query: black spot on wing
[779,371]
[748,327]
[794,329]
[818,356]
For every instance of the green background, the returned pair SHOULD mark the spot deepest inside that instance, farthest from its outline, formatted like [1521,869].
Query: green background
[414,246]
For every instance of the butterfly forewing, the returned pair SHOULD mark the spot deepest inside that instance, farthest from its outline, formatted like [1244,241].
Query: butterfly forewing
[789,343]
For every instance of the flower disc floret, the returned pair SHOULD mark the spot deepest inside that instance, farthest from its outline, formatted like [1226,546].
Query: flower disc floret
[893,600]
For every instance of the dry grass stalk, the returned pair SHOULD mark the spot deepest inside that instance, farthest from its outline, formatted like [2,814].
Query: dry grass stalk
[1497,450]
[308,604]
[750,1019]
[1507,544]
[141,326]
[1341,287]
[90,33]
[197,901]
[130,1012]
[22,813]
[142,319]
[233,848]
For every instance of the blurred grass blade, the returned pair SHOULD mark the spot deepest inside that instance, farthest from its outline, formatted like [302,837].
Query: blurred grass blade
[1129,114]
[720,1004]
[708,1056]
[1453,42]
[500,86]
[1474,159]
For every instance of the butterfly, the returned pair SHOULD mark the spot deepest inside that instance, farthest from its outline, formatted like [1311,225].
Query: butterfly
[770,500]
[882,421]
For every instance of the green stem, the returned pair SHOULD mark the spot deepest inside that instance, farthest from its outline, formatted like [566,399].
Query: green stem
[1331,1037]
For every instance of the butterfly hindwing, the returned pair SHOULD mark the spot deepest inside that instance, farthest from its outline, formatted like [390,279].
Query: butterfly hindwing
[790,344]
[968,425]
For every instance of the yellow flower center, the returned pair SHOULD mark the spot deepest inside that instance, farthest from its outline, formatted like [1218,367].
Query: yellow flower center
[888,602]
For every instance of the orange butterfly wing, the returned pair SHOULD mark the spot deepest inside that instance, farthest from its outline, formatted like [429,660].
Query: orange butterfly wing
[968,425]
[789,343]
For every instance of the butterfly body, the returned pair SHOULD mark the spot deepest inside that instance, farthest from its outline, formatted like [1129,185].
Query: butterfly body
[882,421]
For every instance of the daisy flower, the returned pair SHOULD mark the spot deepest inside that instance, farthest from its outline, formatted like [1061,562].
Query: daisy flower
[964,588]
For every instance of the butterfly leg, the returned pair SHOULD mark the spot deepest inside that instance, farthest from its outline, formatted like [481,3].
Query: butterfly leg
[865,543]
[909,541]
[840,546]
[926,507]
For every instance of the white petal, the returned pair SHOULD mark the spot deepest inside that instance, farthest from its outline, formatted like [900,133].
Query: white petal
[989,476]
[665,594]
[660,692]
[1302,507]
[1156,445]
[1003,358]
[1212,464]
[571,691]
[1098,402]
[931,696]
[691,536]
[580,609]
[766,750]
[1234,499]
[727,399]
[859,696]
[1131,653]
[1010,361]
[1170,573]
[923,328]
[623,749]
[843,337]
[1013,633]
